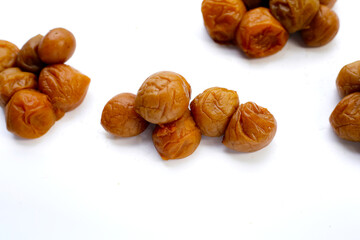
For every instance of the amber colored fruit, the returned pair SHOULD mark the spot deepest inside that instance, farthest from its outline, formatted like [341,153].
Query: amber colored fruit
[119,117]
[328,3]
[65,86]
[57,46]
[345,119]
[294,15]
[177,139]
[322,29]
[260,34]
[221,18]
[28,58]
[29,114]
[163,97]
[250,129]
[348,79]
[13,80]
[8,54]
[213,109]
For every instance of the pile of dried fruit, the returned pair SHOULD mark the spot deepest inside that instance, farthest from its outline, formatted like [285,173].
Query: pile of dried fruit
[36,87]
[345,119]
[264,29]
[163,99]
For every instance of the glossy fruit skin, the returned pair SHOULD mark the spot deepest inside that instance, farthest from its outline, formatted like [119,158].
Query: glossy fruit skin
[57,46]
[345,119]
[294,15]
[163,97]
[13,80]
[213,109]
[250,129]
[178,139]
[221,18]
[8,54]
[28,58]
[65,86]
[119,117]
[348,79]
[29,114]
[328,3]
[322,29]
[260,34]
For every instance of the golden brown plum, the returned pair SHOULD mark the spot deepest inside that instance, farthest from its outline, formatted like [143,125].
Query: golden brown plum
[345,119]
[213,109]
[119,117]
[13,80]
[163,97]
[29,114]
[348,79]
[8,54]
[294,15]
[28,58]
[322,29]
[221,18]
[57,46]
[328,3]
[177,139]
[260,34]
[65,86]
[250,129]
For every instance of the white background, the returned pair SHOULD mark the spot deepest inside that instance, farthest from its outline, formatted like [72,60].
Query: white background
[78,182]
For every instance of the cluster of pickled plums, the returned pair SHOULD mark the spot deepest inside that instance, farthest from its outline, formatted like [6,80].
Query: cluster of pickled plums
[345,119]
[163,99]
[261,27]
[36,86]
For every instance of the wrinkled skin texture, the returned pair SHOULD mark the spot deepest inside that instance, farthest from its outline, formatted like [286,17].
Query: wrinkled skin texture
[177,139]
[65,86]
[213,109]
[13,80]
[328,3]
[119,117]
[294,15]
[28,58]
[260,34]
[348,79]
[250,129]
[345,119]
[221,18]
[29,114]
[8,54]
[322,29]
[57,46]
[163,97]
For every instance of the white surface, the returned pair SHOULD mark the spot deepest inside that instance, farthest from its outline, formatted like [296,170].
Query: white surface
[78,182]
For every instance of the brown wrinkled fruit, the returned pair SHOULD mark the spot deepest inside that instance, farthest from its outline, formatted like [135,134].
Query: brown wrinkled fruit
[260,34]
[328,3]
[294,15]
[250,129]
[163,97]
[322,29]
[345,119]
[221,18]
[65,86]
[177,139]
[119,117]
[8,54]
[57,46]
[28,58]
[13,80]
[29,114]
[348,79]
[213,109]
